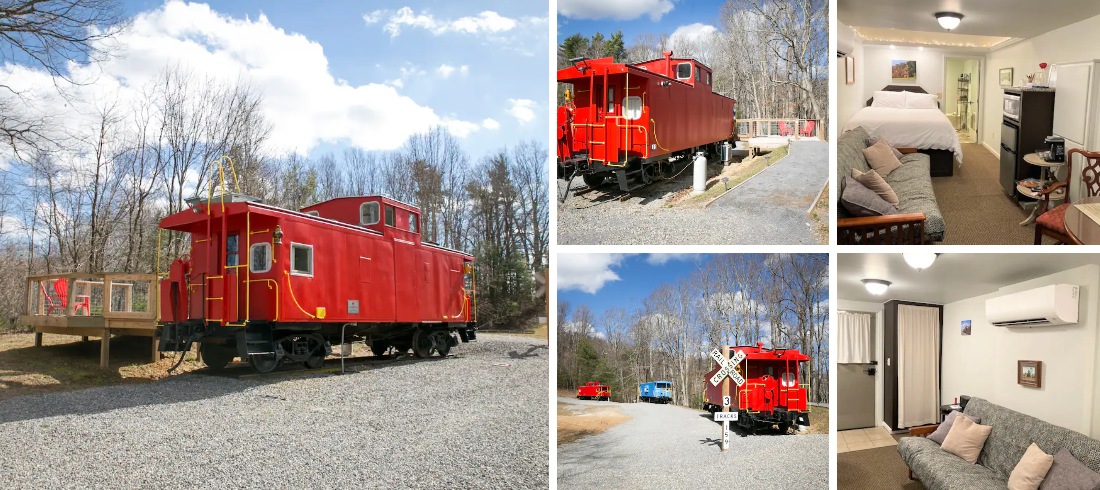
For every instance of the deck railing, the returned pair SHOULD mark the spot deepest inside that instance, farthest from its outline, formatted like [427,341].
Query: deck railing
[110,295]
[791,128]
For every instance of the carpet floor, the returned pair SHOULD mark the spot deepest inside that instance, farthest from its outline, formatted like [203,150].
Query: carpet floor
[873,469]
[975,209]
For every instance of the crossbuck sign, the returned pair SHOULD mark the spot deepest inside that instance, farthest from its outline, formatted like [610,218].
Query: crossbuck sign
[728,368]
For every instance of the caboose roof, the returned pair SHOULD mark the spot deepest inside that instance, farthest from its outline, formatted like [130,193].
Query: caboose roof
[759,353]
[385,199]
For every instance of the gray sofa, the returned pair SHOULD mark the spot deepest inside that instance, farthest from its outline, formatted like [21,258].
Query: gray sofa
[1012,433]
[911,182]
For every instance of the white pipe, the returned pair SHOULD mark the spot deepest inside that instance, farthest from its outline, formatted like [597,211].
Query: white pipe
[700,173]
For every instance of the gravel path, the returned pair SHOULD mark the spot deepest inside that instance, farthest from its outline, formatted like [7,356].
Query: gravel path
[680,448]
[476,420]
[768,209]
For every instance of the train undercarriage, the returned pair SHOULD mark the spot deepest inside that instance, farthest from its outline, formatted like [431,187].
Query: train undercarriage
[636,173]
[268,345]
[753,422]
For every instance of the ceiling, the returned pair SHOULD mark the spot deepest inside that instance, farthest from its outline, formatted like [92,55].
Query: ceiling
[876,35]
[1005,18]
[951,278]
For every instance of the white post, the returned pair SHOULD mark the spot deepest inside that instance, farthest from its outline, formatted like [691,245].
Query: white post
[700,173]
[725,394]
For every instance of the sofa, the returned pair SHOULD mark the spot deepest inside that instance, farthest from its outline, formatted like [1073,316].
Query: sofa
[918,220]
[1012,433]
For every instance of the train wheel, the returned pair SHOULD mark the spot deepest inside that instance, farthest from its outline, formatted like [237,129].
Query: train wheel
[317,352]
[264,363]
[442,343]
[593,180]
[379,348]
[217,356]
[422,343]
[784,427]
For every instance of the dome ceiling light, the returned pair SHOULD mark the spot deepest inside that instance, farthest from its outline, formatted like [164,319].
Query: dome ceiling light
[949,20]
[876,286]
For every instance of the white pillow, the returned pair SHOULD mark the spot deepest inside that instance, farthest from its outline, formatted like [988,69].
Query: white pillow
[882,98]
[920,101]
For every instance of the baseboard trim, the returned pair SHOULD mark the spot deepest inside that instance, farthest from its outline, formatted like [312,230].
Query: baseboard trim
[991,150]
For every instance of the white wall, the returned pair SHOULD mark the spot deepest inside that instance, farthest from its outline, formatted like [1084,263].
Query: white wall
[875,308]
[1075,42]
[849,98]
[984,364]
[876,73]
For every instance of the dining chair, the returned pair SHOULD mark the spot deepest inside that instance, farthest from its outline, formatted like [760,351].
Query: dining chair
[1052,222]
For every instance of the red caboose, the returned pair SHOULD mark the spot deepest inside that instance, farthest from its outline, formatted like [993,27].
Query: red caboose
[594,390]
[270,285]
[773,393]
[638,122]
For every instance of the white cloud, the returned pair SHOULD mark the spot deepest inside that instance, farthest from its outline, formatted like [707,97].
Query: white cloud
[490,123]
[460,128]
[661,259]
[464,70]
[303,102]
[445,70]
[614,9]
[586,272]
[694,33]
[404,17]
[522,109]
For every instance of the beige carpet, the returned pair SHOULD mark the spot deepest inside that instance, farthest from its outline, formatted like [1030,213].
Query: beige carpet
[975,209]
[872,469]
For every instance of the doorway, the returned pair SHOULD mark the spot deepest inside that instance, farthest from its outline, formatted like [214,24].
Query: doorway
[962,94]
[856,370]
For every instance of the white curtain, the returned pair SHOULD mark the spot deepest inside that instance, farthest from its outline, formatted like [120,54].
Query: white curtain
[918,365]
[853,338]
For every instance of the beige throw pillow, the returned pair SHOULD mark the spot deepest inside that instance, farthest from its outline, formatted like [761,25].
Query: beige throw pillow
[875,182]
[1030,471]
[880,156]
[966,439]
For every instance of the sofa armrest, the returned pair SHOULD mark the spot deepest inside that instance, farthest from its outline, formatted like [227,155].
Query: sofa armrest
[906,150]
[923,430]
[894,229]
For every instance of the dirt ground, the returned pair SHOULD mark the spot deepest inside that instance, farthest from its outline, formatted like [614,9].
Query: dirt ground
[819,421]
[575,422]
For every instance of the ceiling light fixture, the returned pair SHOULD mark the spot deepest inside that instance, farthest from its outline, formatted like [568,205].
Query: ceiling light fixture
[919,260]
[949,20]
[876,286]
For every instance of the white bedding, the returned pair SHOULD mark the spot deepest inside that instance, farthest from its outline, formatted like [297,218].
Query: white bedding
[916,128]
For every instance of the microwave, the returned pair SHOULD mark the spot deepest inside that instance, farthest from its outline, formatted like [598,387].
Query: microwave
[1012,106]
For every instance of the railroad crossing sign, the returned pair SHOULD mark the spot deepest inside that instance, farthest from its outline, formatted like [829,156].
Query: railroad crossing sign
[725,416]
[728,368]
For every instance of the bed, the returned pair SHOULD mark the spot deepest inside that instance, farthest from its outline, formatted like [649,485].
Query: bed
[928,130]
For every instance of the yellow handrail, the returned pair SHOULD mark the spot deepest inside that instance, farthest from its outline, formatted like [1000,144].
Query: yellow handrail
[290,288]
[276,283]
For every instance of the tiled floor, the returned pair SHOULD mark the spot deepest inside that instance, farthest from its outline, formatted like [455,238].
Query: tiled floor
[858,439]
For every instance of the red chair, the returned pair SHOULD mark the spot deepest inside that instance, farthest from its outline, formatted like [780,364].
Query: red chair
[1052,222]
[784,130]
[808,129]
[82,303]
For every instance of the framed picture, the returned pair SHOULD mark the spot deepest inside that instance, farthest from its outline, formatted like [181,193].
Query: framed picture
[903,71]
[1005,77]
[966,327]
[1029,373]
[849,70]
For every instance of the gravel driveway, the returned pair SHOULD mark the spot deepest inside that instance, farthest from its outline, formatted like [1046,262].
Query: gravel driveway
[667,446]
[769,209]
[476,420]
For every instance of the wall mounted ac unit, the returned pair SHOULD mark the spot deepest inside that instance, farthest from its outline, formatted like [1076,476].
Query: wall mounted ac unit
[1055,304]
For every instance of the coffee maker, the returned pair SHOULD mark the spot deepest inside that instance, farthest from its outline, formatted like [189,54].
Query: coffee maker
[1057,152]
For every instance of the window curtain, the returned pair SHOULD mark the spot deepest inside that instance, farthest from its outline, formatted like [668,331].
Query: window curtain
[918,365]
[853,338]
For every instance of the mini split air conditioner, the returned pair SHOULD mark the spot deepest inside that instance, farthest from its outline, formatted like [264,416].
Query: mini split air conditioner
[1055,304]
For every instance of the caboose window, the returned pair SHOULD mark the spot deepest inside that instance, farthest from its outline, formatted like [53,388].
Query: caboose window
[683,71]
[301,259]
[698,78]
[414,223]
[390,220]
[260,254]
[368,213]
[632,107]
[231,251]
[611,99]
[708,78]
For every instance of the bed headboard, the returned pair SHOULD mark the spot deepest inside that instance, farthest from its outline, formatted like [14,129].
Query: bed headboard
[901,88]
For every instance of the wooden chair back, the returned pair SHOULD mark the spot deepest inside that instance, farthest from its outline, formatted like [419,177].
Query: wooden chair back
[1090,171]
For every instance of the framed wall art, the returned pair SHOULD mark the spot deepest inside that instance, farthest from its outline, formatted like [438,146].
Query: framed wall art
[1029,373]
[1004,76]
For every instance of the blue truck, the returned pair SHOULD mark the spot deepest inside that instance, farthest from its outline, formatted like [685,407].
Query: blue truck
[655,392]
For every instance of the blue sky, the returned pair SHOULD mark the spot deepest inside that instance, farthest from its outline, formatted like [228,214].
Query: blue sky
[623,280]
[633,17]
[343,73]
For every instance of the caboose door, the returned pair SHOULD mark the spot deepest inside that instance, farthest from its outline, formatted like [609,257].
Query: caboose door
[405,276]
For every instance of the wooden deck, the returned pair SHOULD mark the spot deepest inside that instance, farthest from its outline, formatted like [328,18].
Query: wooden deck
[97,305]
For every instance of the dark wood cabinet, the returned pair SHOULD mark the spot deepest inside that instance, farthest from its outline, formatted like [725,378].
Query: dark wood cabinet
[890,358]
[1024,135]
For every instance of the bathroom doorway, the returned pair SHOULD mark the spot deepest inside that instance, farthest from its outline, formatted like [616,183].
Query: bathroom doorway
[962,91]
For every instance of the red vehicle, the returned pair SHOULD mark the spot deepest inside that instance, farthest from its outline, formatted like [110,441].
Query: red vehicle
[272,285]
[638,122]
[594,390]
[773,393]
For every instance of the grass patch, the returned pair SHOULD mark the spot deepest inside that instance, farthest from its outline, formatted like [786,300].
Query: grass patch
[820,217]
[819,421]
[738,174]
